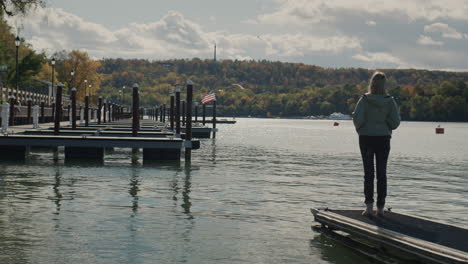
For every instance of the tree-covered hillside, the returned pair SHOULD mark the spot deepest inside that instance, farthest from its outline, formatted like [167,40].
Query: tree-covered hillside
[269,89]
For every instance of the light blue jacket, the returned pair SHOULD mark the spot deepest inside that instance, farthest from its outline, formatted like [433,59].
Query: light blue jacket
[376,115]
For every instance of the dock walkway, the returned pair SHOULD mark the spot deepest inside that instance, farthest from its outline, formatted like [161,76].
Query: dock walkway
[89,142]
[413,238]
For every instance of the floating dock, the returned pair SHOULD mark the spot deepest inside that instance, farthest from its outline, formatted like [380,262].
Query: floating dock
[89,142]
[90,147]
[396,237]
[219,121]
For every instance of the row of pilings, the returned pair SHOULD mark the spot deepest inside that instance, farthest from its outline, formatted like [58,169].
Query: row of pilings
[180,134]
[180,112]
[179,117]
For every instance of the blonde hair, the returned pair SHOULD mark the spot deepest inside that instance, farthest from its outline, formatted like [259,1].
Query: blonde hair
[377,83]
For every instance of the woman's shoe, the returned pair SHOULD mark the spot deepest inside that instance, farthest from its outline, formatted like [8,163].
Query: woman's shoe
[379,212]
[369,210]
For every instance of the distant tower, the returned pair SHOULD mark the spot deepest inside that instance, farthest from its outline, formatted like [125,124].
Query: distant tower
[215,51]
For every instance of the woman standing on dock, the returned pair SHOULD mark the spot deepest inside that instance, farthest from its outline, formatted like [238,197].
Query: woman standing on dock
[375,116]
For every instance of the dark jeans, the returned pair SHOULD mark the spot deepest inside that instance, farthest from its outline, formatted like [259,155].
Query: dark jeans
[378,146]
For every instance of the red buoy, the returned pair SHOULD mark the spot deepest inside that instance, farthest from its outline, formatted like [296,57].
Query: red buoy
[439,130]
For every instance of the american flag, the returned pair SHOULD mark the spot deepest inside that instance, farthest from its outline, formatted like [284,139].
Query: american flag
[211,96]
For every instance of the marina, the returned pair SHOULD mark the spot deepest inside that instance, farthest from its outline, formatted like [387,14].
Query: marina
[233,132]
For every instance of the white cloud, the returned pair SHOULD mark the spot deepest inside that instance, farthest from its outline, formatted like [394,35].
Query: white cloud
[426,40]
[445,30]
[315,11]
[345,42]
[381,58]
[173,36]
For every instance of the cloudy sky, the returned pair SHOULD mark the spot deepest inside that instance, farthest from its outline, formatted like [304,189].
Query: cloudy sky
[428,34]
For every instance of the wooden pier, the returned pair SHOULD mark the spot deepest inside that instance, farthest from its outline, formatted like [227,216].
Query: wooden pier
[108,130]
[396,237]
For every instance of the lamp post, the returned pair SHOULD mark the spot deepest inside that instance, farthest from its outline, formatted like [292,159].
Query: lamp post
[52,62]
[122,94]
[85,86]
[86,110]
[72,82]
[17,44]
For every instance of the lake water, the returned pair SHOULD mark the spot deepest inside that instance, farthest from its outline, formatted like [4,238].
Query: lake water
[245,198]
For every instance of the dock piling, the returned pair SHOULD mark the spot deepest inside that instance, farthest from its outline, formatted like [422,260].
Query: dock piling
[58,108]
[42,112]
[73,103]
[135,112]
[171,111]
[188,127]
[204,114]
[177,112]
[104,116]
[109,111]
[53,111]
[5,116]
[109,114]
[184,113]
[35,116]
[29,120]
[12,110]
[86,110]
[99,110]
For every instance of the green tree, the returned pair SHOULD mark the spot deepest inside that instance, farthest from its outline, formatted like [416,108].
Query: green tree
[326,108]
[419,108]
[438,108]
[14,7]
[448,89]
[456,108]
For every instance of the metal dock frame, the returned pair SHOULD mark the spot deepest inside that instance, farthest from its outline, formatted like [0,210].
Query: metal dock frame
[417,248]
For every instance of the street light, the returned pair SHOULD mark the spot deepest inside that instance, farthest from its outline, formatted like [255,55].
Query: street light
[72,73]
[17,44]
[122,94]
[86,86]
[52,62]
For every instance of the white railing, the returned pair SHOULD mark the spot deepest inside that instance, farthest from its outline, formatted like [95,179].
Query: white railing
[24,96]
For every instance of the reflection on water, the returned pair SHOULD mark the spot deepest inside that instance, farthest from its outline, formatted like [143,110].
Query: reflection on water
[134,183]
[213,150]
[335,252]
[186,193]
[56,187]
[244,198]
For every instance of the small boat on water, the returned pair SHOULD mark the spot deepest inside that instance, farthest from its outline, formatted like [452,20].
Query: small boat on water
[336,124]
[339,116]
[396,237]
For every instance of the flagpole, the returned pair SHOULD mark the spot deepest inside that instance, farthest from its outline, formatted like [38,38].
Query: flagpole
[214,119]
